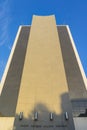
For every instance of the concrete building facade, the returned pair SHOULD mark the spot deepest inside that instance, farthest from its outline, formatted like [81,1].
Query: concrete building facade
[44,85]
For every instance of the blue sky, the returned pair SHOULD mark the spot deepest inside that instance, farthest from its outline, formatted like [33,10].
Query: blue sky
[19,12]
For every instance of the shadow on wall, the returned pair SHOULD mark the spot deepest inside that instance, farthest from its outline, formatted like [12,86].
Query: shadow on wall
[42,118]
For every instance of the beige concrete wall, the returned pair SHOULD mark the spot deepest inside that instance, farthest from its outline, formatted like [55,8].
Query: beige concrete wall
[6,123]
[43,86]
[41,80]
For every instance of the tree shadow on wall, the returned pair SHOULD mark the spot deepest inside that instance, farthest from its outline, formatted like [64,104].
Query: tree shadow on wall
[44,121]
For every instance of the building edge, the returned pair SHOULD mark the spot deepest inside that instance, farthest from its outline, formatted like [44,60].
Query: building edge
[77,57]
[9,60]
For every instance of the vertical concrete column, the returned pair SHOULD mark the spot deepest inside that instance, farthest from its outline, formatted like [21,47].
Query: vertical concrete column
[43,85]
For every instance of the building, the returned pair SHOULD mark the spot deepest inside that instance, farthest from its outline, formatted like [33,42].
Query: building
[44,85]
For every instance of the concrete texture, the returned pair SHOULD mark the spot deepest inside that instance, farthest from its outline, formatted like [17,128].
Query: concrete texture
[6,123]
[74,76]
[43,87]
[9,95]
[76,85]
[80,123]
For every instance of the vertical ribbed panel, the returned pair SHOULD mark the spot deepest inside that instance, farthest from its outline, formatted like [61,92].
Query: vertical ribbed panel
[77,89]
[9,95]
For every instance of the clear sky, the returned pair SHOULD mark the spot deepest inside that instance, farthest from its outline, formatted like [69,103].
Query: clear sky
[19,12]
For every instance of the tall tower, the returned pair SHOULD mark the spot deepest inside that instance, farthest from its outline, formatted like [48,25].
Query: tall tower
[43,86]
